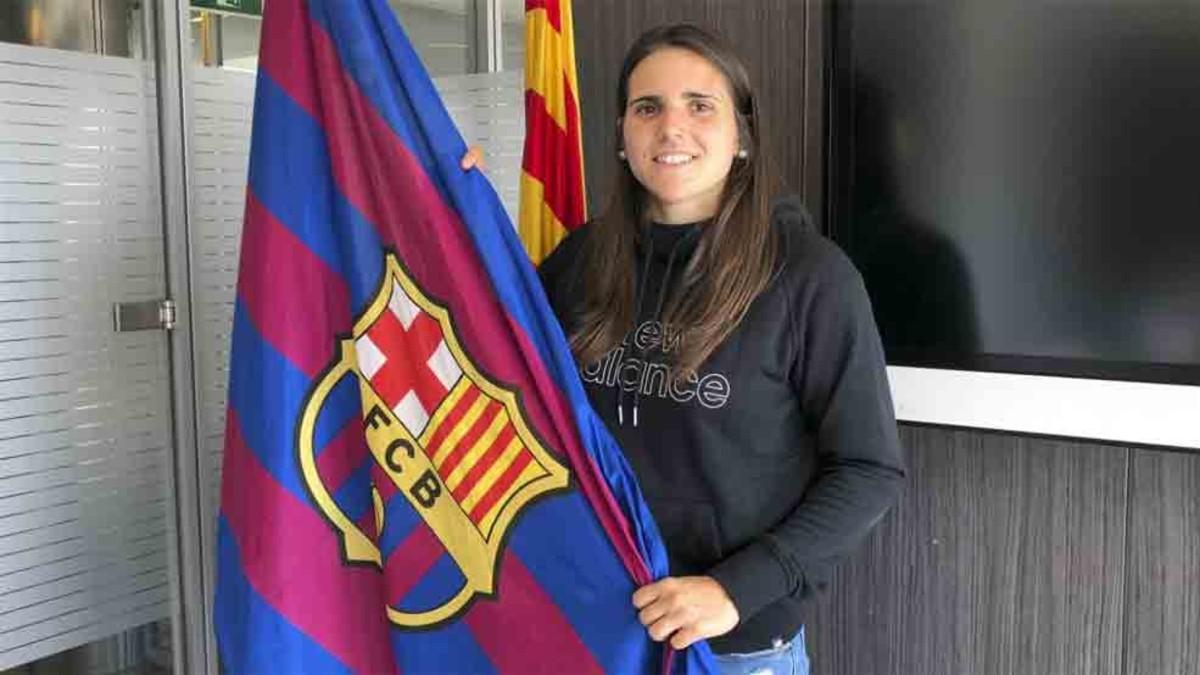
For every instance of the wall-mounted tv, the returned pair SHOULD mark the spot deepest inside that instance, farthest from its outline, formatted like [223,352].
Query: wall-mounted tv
[1019,183]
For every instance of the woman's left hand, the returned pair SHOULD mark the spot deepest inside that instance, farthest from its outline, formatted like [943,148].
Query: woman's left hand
[473,159]
[685,609]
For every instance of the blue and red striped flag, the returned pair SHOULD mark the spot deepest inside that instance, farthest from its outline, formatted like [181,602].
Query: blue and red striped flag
[413,479]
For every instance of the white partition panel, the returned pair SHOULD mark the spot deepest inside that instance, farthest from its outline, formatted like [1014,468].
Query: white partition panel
[489,109]
[84,411]
[223,102]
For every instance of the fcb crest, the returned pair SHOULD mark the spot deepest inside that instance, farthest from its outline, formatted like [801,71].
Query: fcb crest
[449,442]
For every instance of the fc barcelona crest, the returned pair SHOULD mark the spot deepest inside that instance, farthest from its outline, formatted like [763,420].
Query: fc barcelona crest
[448,445]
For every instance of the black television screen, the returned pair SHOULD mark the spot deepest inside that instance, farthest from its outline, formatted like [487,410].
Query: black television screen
[1019,182]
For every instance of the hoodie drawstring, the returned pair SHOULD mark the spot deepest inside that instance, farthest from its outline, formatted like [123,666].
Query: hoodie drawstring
[656,316]
[642,283]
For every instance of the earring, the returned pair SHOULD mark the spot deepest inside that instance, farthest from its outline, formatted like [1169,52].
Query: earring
[621,155]
[742,154]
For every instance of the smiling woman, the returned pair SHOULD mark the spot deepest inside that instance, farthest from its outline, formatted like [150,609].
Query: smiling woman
[680,134]
[687,99]
[731,350]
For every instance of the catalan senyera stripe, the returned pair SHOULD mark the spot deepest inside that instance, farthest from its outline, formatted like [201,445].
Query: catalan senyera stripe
[523,469]
[438,454]
[510,453]
[555,46]
[451,421]
[568,30]
[476,450]
[553,156]
[545,65]
[552,8]
[540,230]
[474,428]
[485,462]
[463,446]
[447,408]
[567,33]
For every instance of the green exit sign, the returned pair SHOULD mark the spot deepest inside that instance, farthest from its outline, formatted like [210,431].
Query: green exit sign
[251,7]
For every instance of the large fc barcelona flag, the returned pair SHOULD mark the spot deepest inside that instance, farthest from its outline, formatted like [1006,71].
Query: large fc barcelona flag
[413,480]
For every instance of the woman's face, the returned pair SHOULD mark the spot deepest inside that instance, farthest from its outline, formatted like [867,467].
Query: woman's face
[679,134]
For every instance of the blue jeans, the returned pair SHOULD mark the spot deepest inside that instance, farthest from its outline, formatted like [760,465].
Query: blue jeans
[783,658]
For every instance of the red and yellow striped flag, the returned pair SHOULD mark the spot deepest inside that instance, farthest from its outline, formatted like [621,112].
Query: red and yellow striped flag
[552,192]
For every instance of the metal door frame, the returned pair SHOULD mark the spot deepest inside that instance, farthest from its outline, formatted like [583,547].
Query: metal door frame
[192,647]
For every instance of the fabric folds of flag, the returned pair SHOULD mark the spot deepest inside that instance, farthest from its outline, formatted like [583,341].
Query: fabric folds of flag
[413,480]
[552,186]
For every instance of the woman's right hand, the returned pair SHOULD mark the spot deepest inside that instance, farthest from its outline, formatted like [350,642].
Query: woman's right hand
[685,610]
[473,159]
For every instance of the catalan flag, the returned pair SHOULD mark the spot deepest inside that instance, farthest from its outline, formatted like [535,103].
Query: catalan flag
[552,188]
[413,481]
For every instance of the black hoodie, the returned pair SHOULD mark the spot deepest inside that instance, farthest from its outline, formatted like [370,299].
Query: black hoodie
[781,453]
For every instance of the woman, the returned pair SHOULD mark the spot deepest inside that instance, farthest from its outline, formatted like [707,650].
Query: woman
[731,350]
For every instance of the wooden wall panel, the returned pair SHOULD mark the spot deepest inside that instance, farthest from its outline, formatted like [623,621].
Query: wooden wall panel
[1163,591]
[780,40]
[1005,555]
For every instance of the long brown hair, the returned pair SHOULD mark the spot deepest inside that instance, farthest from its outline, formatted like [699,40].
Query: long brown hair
[735,257]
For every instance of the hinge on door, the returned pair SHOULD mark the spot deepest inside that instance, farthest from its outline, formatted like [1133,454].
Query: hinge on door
[166,314]
[144,315]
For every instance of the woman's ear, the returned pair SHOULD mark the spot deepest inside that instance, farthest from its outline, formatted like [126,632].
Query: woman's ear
[745,135]
[620,138]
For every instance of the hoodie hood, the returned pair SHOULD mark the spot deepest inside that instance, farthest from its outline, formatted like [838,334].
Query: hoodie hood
[790,215]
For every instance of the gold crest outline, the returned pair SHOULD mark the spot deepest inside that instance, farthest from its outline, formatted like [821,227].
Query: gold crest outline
[357,547]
